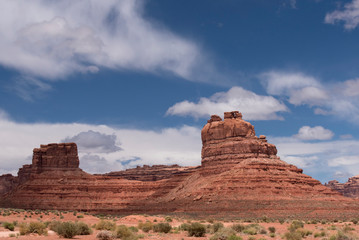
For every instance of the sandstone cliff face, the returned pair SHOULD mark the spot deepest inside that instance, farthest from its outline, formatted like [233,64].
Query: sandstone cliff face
[229,142]
[348,189]
[240,176]
[152,173]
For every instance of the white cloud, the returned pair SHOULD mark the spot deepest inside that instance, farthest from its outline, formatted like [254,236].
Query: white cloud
[344,160]
[351,87]
[339,99]
[53,39]
[314,133]
[349,15]
[253,106]
[298,87]
[92,141]
[319,159]
[167,146]
[301,162]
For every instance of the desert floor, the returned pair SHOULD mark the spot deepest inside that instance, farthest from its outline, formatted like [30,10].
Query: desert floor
[315,229]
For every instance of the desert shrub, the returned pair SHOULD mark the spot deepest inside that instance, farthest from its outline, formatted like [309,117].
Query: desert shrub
[37,227]
[105,235]
[133,229]
[319,234]
[224,234]
[272,235]
[234,237]
[271,229]
[347,229]
[238,227]
[67,230]
[304,232]
[250,231]
[168,219]
[83,229]
[53,225]
[343,236]
[293,235]
[80,216]
[124,232]
[210,220]
[24,228]
[33,227]
[145,226]
[295,225]
[9,226]
[196,229]
[217,226]
[162,227]
[184,227]
[105,225]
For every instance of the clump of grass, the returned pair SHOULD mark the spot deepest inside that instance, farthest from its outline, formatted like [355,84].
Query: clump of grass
[196,229]
[32,227]
[295,225]
[238,227]
[271,229]
[8,225]
[105,225]
[83,229]
[67,230]
[217,226]
[124,233]
[162,227]
[225,233]
[105,235]
[145,226]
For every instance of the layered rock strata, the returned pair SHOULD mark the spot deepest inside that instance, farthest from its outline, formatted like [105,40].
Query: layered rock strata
[240,176]
[348,189]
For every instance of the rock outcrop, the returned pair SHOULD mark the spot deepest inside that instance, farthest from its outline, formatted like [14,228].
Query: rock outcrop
[152,173]
[240,176]
[348,189]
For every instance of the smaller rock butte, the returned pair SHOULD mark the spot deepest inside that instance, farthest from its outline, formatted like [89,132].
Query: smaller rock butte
[240,176]
[348,189]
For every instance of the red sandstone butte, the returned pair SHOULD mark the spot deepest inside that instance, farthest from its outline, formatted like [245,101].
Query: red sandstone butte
[240,176]
[348,189]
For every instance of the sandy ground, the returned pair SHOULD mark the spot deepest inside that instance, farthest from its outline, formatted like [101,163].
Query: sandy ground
[330,228]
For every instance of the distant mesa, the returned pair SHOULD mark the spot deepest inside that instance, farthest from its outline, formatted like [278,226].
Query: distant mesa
[240,176]
[348,189]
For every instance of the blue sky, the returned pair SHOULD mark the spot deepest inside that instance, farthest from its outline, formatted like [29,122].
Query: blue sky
[133,82]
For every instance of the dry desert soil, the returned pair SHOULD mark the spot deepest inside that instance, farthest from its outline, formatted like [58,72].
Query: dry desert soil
[312,229]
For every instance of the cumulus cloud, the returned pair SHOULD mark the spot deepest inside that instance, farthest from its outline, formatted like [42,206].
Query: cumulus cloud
[349,15]
[351,87]
[298,87]
[54,39]
[344,160]
[253,106]
[166,146]
[319,159]
[92,141]
[314,133]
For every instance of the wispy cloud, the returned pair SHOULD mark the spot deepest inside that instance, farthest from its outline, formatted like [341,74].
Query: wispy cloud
[297,88]
[50,40]
[253,106]
[349,15]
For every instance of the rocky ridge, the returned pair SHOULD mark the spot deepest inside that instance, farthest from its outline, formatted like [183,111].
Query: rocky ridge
[240,176]
[348,189]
